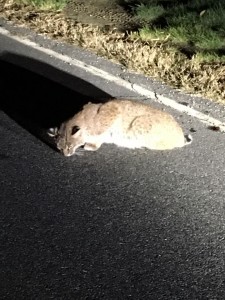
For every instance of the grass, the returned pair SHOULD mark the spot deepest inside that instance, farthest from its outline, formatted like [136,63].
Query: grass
[45,4]
[195,25]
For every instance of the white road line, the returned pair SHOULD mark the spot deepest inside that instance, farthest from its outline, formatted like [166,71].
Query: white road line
[210,121]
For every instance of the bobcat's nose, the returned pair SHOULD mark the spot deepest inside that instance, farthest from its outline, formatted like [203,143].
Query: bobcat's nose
[68,151]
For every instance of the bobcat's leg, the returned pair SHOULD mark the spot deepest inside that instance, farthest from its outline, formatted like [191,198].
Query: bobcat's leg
[92,146]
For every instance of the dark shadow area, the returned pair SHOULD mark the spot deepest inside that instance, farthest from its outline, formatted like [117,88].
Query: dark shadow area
[190,50]
[165,3]
[129,5]
[32,96]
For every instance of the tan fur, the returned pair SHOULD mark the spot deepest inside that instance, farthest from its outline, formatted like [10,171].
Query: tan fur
[125,123]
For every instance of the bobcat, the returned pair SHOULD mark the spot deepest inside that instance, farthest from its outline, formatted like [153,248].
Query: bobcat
[126,123]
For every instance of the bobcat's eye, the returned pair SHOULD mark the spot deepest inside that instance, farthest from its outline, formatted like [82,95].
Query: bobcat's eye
[75,129]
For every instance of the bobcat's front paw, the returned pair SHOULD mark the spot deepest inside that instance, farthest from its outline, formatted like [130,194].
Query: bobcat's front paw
[91,147]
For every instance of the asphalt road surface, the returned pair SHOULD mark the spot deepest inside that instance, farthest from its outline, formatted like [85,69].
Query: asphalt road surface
[113,224]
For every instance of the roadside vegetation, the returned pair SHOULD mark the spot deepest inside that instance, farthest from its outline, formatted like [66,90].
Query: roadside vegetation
[181,42]
[196,27]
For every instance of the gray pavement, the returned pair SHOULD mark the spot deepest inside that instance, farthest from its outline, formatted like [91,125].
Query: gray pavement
[114,224]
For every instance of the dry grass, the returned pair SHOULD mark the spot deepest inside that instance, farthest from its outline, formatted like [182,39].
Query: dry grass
[44,4]
[153,58]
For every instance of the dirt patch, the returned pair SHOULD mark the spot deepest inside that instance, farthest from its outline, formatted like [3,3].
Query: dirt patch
[108,15]
[152,58]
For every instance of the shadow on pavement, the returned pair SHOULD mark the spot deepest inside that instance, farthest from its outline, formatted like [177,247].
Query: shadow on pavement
[34,98]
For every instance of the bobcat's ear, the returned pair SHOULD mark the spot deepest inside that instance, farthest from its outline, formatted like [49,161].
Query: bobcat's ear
[87,104]
[75,129]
